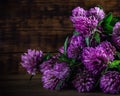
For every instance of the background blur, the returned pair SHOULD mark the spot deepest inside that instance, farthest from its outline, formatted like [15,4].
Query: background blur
[38,24]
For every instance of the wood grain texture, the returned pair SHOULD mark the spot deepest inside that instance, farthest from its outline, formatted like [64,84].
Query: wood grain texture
[39,24]
[19,85]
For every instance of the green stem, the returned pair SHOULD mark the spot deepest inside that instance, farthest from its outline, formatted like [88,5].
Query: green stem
[106,69]
[97,83]
[92,38]
[31,77]
[102,74]
[87,39]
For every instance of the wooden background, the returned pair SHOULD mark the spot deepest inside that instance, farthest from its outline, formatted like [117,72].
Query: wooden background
[39,24]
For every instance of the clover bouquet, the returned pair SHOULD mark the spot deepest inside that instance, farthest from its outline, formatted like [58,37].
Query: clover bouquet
[88,59]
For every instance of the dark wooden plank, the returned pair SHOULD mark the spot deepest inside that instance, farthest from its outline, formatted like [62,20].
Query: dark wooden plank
[16,26]
[9,63]
[39,24]
[19,85]
[25,42]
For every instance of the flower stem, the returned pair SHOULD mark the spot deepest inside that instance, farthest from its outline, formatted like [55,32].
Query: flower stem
[31,77]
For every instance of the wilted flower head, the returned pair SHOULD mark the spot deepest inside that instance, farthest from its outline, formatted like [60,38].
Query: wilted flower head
[108,49]
[116,35]
[110,82]
[84,25]
[95,60]
[97,13]
[84,82]
[31,60]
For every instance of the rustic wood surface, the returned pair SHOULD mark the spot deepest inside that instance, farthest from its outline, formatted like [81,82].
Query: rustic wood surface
[19,85]
[39,24]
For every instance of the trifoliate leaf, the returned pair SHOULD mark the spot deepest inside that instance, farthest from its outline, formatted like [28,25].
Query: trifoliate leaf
[100,23]
[76,33]
[106,24]
[118,18]
[47,56]
[64,58]
[118,54]
[108,19]
[118,67]
[65,45]
[97,37]
[87,41]
[108,29]
[73,61]
[114,21]
[114,64]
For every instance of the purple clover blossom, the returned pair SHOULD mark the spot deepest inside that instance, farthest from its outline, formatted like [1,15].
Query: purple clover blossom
[116,35]
[84,25]
[78,11]
[48,65]
[61,70]
[78,40]
[108,49]
[84,82]
[74,52]
[61,49]
[110,82]
[55,75]
[49,80]
[97,13]
[95,60]
[31,60]
[116,29]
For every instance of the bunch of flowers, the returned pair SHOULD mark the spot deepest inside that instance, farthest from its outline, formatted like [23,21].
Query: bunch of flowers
[88,59]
